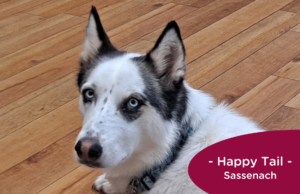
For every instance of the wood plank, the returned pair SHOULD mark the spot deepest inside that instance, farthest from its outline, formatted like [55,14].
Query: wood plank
[20,102]
[78,181]
[25,56]
[293,7]
[225,56]
[41,51]
[296,28]
[130,11]
[290,70]
[37,32]
[139,46]
[294,102]
[84,185]
[141,19]
[250,72]
[37,104]
[284,118]
[219,32]
[2,1]
[39,134]
[101,5]
[55,7]
[41,169]
[38,76]
[203,17]
[264,99]
[108,8]
[17,22]
[10,8]
[194,3]
[141,26]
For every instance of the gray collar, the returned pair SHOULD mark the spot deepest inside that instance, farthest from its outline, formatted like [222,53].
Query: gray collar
[146,181]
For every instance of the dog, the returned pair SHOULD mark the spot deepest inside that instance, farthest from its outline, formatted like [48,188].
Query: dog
[142,122]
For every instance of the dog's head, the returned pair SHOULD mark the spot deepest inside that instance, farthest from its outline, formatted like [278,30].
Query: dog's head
[129,102]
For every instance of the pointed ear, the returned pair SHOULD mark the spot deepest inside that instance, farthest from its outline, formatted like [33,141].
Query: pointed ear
[96,40]
[168,57]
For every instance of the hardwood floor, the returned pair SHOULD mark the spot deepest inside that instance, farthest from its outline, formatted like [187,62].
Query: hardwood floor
[244,52]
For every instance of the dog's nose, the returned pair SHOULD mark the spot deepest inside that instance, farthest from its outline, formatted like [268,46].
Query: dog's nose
[88,150]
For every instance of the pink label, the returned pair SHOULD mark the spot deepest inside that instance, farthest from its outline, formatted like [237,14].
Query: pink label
[266,162]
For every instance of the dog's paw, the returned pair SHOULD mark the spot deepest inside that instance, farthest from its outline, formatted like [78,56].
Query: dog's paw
[103,186]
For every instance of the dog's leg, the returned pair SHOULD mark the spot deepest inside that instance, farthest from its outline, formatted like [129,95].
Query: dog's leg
[111,186]
[103,186]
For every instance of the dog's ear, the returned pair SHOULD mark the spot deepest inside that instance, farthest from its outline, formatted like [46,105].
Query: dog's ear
[96,40]
[168,57]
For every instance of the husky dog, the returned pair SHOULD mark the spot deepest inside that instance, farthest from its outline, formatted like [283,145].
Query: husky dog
[142,123]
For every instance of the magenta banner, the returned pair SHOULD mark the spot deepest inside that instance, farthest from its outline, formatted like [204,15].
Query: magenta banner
[266,162]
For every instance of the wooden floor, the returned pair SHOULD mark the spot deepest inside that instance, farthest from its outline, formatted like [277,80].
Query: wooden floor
[246,52]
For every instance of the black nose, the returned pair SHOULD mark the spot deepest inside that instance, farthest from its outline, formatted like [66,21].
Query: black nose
[95,151]
[78,148]
[88,150]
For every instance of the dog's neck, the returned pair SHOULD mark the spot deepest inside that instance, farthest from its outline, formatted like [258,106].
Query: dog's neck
[196,112]
[194,115]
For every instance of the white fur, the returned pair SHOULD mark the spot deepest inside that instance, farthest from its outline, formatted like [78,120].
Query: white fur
[131,147]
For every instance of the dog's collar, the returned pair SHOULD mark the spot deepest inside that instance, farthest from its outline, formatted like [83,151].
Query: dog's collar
[146,182]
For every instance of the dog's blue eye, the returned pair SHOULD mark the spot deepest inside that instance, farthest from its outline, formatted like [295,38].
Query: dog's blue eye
[133,103]
[89,94]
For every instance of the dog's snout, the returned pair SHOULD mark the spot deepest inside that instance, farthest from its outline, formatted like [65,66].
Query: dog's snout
[88,150]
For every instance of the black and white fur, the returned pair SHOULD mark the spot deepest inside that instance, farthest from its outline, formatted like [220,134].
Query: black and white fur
[133,139]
